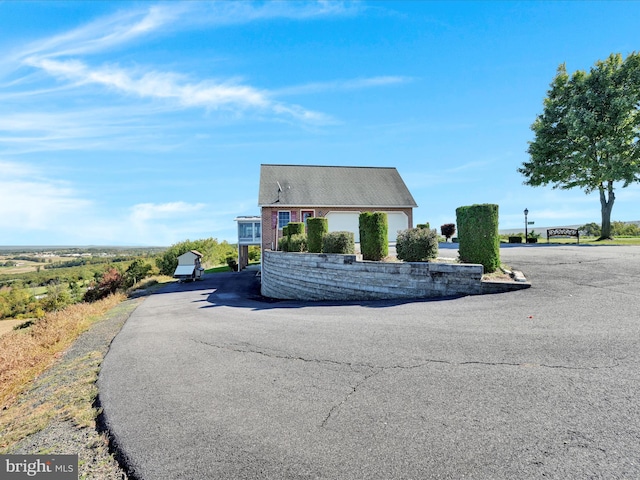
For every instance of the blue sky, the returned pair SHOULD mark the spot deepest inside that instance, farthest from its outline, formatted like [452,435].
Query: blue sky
[142,123]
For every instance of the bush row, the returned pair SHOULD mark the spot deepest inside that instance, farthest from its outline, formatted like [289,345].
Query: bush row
[477,227]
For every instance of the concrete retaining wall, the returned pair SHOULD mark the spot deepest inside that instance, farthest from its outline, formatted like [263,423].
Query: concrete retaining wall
[312,276]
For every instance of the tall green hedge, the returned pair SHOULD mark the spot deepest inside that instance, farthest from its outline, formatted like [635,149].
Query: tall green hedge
[295,228]
[374,237]
[478,234]
[316,228]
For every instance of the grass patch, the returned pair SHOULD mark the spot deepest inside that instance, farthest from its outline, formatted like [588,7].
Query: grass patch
[587,241]
[7,325]
[614,241]
[218,269]
[64,401]
[152,283]
[26,353]
[225,268]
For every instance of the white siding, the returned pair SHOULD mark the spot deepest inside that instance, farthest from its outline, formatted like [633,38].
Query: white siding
[396,221]
[349,221]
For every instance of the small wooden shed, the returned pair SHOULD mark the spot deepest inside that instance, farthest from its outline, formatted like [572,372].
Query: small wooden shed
[189,266]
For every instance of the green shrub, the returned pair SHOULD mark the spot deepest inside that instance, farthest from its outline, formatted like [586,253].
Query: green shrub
[297,243]
[232,263]
[283,244]
[423,225]
[254,253]
[374,238]
[317,227]
[618,229]
[138,270]
[17,301]
[295,228]
[590,230]
[285,231]
[417,245]
[338,242]
[478,234]
[622,229]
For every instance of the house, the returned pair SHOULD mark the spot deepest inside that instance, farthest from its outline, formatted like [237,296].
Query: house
[292,193]
[189,266]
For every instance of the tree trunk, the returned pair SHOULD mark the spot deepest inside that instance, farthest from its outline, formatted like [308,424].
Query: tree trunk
[606,205]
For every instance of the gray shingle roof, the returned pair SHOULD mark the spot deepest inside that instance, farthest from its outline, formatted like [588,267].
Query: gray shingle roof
[323,186]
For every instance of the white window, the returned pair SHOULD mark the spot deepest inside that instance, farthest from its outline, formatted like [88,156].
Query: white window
[283,219]
[245,231]
[306,214]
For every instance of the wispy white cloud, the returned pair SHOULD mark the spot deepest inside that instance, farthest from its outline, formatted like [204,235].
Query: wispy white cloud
[154,84]
[107,33]
[133,24]
[342,85]
[107,128]
[229,13]
[174,87]
[60,57]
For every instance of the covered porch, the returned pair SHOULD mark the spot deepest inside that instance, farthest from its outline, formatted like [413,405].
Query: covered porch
[249,233]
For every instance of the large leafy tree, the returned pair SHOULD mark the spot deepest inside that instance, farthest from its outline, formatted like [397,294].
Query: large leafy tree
[588,134]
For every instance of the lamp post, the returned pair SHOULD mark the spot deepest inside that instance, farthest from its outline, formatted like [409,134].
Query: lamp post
[526,233]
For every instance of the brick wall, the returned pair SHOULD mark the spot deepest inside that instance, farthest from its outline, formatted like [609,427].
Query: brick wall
[309,276]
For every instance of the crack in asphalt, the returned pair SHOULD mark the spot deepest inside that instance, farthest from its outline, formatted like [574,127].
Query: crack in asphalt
[283,356]
[608,288]
[354,389]
[378,369]
[425,362]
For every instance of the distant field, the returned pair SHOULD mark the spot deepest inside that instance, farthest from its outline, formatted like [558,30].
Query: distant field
[25,266]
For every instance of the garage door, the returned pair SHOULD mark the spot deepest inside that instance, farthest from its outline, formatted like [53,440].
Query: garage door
[349,221]
[344,221]
[396,221]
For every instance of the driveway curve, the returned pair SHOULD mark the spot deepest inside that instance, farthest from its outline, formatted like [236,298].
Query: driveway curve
[206,381]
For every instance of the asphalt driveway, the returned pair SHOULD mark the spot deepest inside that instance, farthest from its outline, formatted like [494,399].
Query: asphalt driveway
[205,381]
